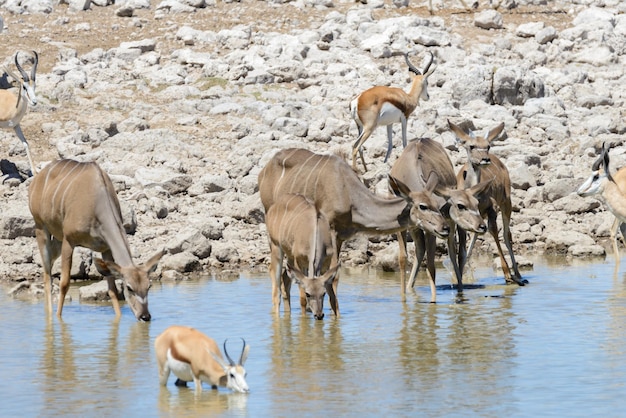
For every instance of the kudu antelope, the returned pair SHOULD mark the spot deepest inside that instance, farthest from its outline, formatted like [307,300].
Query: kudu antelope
[482,165]
[383,105]
[348,205]
[74,204]
[425,165]
[13,105]
[193,356]
[611,189]
[296,229]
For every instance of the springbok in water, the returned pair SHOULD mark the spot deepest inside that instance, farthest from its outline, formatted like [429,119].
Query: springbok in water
[611,189]
[193,356]
[425,165]
[383,105]
[348,205]
[296,229]
[13,105]
[74,204]
[482,165]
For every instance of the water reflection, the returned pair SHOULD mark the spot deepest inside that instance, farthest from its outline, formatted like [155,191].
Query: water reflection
[183,402]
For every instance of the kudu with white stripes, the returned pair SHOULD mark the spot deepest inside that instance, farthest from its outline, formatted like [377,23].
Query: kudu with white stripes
[384,105]
[425,165]
[13,105]
[300,232]
[75,204]
[611,189]
[483,165]
[193,356]
[348,205]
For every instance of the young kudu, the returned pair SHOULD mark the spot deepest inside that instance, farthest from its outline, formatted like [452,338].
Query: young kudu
[482,165]
[611,189]
[427,159]
[383,105]
[193,356]
[296,229]
[74,204]
[348,205]
[13,105]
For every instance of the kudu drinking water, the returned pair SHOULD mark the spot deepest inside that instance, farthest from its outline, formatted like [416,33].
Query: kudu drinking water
[74,204]
[348,205]
[424,165]
[297,230]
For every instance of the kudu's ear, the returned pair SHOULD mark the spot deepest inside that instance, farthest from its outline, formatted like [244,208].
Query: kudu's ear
[481,187]
[399,189]
[432,182]
[330,276]
[294,274]
[153,262]
[493,133]
[107,268]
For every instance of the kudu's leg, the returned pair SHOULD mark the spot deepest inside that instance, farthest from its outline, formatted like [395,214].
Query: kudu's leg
[508,241]
[50,250]
[493,230]
[66,267]
[462,254]
[113,295]
[452,253]
[276,269]
[402,263]
[420,249]
[430,265]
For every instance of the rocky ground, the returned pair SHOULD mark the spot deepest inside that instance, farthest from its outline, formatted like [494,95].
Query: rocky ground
[184,102]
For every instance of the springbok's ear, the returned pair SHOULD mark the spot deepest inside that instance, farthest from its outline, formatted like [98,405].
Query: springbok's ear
[219,360]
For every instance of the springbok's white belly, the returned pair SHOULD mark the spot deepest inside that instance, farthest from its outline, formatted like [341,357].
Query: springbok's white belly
[389,114]
[180,369]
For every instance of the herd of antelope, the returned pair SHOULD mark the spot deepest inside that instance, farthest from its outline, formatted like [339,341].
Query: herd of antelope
[313,204]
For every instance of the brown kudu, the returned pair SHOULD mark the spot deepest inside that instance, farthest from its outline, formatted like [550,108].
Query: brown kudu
[426,159]
[343,199]
[482,165]
[299,231]
[74,204]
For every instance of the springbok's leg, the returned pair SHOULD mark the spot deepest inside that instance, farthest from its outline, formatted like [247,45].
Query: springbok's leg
[389,141]
[20,135]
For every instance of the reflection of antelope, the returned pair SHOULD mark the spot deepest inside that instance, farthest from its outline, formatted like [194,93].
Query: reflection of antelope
[13,105]
[297,230]
[74,204]
[383,105]
[611,189]
[424,165]
[481,164]
[342,198]
[192,356]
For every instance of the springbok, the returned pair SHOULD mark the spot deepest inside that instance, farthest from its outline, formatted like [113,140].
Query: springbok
[193,356]
[13,105]
[383,105]
[426,159]
[74,204]
[296,229]
[348,205]
[611,189]
[481,164]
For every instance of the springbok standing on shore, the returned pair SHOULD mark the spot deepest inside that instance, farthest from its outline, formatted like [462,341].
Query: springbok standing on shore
[425,165]
[383,105]
[482,165]
[193,356]
[348,205]
[13,105]
[74,204]
[611,189]
[296,229]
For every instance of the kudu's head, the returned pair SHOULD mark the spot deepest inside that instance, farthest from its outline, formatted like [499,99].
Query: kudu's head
[234,374]
[135,282]
[420,80]
[27,81]
[599,175]
[315,288]
[477,147]
[425,212]
[462,205]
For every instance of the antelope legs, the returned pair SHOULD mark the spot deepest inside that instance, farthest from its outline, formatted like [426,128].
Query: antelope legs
[20,135]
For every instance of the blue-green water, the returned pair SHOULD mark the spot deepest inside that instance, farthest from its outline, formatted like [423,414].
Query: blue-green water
[553,348]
